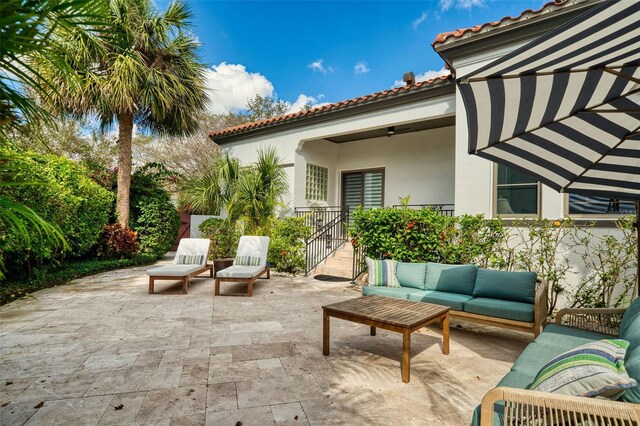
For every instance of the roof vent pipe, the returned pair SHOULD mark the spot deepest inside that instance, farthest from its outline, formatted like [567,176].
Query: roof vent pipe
[409,78]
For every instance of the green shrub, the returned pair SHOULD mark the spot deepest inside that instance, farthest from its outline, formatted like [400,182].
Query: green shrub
[61,193]
[427,236]
[223,235]
[287,245]
[157,223]
[50,276]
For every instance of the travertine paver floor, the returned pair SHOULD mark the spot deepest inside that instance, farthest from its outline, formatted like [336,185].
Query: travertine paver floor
[102,351]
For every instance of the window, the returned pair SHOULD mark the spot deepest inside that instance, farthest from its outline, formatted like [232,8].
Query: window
[591,206]
[317,183]
[516,193]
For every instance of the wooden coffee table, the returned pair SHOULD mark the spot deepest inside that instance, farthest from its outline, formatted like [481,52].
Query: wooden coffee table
[402,316]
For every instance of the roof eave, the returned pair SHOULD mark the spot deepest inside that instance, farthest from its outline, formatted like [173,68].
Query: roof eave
[400,98]
[513,32]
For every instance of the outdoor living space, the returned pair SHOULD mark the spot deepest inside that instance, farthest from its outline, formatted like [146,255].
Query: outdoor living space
[103,351]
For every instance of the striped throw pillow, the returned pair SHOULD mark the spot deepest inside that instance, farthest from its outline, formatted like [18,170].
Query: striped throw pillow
[189,259]
[593,369]
[247,260]
[382,273]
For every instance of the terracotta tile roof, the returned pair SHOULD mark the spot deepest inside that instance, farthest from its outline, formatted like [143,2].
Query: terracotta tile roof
[337,106]
[451,36]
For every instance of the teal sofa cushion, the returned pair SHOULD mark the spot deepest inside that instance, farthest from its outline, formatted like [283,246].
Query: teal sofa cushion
[516,379]
[411,274]
[631,318]
[453,300]
[397,292]
[515,286]
[565,338]
[630,330]
[451,278]
[516,311]
[535,356]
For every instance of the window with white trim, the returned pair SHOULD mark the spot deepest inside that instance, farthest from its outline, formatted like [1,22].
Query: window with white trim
[317,183]
[517,194]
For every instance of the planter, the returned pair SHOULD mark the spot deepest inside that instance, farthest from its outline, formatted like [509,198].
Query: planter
[220,264]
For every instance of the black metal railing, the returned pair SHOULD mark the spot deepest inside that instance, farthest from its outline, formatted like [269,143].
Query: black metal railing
[443,209]
[328,233]
[358,262]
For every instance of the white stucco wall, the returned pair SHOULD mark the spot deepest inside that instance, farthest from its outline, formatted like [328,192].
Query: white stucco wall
[299,145]
[419,164]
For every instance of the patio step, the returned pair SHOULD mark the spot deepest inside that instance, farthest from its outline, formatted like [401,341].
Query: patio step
[339,264]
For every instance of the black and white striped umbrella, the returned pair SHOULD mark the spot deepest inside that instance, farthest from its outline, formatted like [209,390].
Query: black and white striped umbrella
[565,108]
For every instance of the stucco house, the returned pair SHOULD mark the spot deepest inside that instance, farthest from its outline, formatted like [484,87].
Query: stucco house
[412,140]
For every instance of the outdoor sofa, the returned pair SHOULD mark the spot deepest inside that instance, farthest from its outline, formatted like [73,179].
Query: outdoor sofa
[511,403]
[515,300]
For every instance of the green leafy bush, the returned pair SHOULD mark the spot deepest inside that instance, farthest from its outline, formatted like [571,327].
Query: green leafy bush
[61,192]
[153,215]
[50,276]
[157,223]
[427,236]
[287,245]
[118,242]
[223,235]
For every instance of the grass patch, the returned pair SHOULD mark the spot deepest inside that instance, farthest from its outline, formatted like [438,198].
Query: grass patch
[50,277]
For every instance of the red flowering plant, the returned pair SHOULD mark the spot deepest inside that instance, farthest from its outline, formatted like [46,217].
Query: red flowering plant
[118,242]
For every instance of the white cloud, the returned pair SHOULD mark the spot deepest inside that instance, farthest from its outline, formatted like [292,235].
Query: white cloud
[461,4]
[427,75]
[304,100]
[318,65]
[422,18]
[361,68]
[230,86]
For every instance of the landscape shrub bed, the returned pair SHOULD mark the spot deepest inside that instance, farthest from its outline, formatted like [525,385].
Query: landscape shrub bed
[287,245]
[46,277]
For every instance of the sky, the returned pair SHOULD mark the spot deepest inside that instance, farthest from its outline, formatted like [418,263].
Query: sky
[320,52]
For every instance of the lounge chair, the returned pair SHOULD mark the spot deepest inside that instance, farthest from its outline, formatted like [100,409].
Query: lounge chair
[190,261]
[249,265]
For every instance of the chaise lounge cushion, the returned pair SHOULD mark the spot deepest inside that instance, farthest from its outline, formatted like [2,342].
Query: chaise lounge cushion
[174,270]
[506,309]
[451,278]
[515,286]
[411,274]
[453,300]
[397,292]
[239,271]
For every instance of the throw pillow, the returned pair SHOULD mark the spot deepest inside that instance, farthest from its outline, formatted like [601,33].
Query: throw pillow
[190,259]
[247,260]
[593,369]
[382,273]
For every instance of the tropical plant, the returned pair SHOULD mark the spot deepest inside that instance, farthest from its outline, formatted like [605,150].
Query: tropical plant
[259,191]
[223,235]
[148,74]
[287,245]
[208,191]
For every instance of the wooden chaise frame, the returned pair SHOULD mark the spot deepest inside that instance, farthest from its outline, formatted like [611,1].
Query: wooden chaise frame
[526,407]
[249,282]
[186,279]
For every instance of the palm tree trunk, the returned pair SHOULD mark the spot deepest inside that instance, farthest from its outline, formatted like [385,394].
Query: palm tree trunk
[125,134]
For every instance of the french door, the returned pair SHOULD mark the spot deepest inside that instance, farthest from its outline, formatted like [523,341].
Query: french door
[363,188]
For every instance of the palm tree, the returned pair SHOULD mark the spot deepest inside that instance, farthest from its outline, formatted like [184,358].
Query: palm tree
[209,190]
[148,74]
[259,191]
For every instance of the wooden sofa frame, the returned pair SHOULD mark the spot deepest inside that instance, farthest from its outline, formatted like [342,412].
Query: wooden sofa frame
[186,279]
[249,282]
[526,407]
[535,327]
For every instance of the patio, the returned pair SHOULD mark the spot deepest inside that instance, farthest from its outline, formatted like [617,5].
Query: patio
[103,351]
